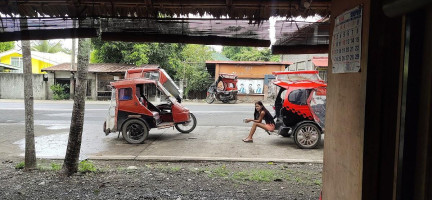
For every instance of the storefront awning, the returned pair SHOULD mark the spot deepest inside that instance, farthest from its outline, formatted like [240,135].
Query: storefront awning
[320,61]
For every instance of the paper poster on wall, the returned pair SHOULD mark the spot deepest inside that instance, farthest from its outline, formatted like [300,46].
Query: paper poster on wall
[250,86]
[346,41]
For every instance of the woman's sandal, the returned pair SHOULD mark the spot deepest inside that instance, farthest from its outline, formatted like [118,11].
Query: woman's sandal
[247,140]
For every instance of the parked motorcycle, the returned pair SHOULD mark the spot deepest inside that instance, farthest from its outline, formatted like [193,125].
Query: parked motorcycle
[223,89]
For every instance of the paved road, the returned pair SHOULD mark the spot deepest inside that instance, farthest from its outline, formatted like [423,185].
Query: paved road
[217,136]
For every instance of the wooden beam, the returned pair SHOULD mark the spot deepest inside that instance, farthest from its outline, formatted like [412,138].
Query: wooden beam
[206,40]
[48,34]
[300,49]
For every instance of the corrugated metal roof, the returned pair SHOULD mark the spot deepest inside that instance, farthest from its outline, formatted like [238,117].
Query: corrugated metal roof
[221,22]
[235,9]
[219,56]
[52,58]
[248,62]
[98,67]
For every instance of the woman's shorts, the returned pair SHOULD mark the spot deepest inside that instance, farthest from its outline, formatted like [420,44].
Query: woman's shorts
[270,127]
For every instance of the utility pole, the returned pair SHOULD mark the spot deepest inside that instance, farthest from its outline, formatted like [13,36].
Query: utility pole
[72,77]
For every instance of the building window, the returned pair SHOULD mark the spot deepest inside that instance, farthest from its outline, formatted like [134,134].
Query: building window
[17,62]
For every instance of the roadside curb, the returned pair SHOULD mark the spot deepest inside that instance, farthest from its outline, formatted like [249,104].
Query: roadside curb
[195,159]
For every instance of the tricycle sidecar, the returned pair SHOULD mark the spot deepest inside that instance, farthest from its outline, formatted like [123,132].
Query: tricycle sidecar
[139,104]
[300,106]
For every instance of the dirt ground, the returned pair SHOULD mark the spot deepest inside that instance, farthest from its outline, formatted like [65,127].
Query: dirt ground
[163,180]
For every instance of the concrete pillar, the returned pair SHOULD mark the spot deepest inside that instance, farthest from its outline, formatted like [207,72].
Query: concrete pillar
[51,79]
[94,88]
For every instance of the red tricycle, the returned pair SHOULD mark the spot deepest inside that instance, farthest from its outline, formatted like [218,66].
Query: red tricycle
[223,89]
[300,106]
[147,98]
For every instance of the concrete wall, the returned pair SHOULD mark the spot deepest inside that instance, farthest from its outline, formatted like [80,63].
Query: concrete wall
[301,61]
[12,86]
[343,144]
[247,71]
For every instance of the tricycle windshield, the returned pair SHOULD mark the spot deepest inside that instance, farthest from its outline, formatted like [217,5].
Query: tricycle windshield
[153,93]
[318,106]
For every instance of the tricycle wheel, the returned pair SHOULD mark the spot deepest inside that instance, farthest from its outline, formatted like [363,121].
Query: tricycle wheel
[135,131]
[210,98]
[187,127]
[307,136]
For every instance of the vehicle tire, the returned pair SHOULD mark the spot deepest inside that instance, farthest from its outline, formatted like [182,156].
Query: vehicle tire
[135,131]
[285,133]
[210,98]
[187,127]
[307,136]
[233,101]
[224,101]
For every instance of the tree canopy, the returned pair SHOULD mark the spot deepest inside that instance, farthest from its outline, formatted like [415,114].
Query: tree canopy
[249,54]
[47,46]
[182,62]
[4,46]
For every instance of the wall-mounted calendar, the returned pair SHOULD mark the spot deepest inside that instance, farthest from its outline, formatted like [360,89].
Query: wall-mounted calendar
[346,41]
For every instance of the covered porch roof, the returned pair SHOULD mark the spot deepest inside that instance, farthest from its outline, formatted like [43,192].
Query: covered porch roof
[97,67]
[210,22]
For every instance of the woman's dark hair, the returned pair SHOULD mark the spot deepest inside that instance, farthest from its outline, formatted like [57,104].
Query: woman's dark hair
[267,117]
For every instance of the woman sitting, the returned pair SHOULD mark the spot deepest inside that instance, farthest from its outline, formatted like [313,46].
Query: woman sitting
[260,113]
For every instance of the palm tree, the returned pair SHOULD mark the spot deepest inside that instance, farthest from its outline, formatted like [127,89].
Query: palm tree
[4,46]
[47,46]
[30,152]
[70,164]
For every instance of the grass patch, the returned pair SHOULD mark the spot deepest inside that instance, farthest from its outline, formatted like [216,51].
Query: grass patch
[261,175]
[221,171]
[317,182]
[20,165]
[299,180]
[171,169]
[86,166]
[56,166]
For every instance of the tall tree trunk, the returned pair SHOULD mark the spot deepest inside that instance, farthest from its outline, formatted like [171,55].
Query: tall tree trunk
[30,152]
[70,165]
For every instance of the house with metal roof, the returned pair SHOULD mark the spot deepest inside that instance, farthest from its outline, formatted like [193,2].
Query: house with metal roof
[12,61]
[253,76]
[99,77]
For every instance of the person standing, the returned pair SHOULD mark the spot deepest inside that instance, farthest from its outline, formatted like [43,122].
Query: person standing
[250,89]
[259,89]
[242,89]
[261,113]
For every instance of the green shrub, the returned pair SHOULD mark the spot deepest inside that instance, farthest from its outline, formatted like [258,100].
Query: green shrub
[59,91]
[86,166]
[20,165]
